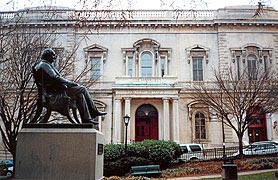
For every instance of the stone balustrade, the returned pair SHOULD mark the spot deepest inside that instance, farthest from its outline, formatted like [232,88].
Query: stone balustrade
[146,81]
[179,16]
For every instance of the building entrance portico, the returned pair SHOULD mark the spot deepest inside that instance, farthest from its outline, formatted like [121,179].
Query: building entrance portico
[154,110]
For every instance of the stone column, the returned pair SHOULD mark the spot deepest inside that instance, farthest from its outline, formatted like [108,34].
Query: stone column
[100,123]
[175,121]
[127,112]
[118,123]
[269,127]
[166,124]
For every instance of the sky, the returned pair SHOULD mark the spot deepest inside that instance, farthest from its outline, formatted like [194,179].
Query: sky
[7,5]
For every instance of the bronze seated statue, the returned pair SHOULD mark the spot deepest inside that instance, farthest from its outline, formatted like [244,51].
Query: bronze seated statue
[56,93]
[53,98]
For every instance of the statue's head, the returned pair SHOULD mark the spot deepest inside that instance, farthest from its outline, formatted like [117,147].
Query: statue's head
[49,55]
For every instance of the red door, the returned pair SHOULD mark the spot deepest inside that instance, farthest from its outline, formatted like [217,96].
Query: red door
[256,134]
[146,123]
[257,130]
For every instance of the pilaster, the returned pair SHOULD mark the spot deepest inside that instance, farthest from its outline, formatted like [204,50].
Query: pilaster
[175,121]
[118,122]
[223,53]
[127,112]
[166,119]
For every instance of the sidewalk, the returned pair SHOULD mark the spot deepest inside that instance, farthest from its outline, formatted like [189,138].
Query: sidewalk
[219,175]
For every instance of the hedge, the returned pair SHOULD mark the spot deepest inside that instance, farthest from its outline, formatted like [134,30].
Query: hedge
[140,153]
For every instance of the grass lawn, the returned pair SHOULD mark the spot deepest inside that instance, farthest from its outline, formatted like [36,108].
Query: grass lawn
[261,176]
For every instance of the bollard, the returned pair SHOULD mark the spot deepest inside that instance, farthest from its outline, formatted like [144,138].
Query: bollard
[229,170]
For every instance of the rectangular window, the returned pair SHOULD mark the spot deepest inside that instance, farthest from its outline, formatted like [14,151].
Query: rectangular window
[197,68]
[95,68]
[130,66]
[200,126]
[162,66]
[238,67]
[265,64]
[252,69]
[146,65]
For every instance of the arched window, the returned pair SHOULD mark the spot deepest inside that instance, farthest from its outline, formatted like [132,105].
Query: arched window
[200,126]
[146,64]
[252,67]
[146,59]
[251,60]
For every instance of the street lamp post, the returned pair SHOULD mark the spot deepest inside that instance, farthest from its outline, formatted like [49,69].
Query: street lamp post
[126,121]
[223,137]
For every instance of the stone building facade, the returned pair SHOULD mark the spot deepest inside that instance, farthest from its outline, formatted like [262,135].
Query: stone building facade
[145,63]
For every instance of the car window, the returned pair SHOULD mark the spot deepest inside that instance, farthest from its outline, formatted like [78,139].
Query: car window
[184,149]
[195,148]
[270,147]
[252,147]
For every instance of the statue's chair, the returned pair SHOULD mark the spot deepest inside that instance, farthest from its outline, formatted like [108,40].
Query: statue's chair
[53,98]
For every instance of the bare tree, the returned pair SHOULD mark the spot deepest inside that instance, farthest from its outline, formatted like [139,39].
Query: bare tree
[239,98]
[20,49]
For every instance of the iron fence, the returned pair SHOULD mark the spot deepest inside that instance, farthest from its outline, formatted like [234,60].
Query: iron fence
[217,153]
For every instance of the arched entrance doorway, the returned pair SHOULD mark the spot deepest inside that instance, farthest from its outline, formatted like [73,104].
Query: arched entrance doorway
[257,129]
[146,123]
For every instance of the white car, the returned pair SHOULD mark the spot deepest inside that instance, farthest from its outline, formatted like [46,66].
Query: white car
[191,152]
[260,148]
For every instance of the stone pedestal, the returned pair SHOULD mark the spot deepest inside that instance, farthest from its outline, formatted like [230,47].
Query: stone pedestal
[59,153]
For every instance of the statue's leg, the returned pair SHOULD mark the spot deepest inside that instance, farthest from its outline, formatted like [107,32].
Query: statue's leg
[81,90]
[90,103]
[87,109]
[83,108]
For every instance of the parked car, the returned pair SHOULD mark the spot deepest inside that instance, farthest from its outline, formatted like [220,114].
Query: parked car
[266,142]
[191,152]
[260,148]
[7,167]
[7,162]
[7,171]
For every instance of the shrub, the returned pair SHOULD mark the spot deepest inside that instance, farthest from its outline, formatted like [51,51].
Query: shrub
[138,149]
[140,153]
[113,152]
[161,152]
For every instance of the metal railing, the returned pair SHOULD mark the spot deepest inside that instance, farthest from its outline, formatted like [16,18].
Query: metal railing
[217,153]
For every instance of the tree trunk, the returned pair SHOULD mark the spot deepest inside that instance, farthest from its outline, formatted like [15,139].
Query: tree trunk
[240,144]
